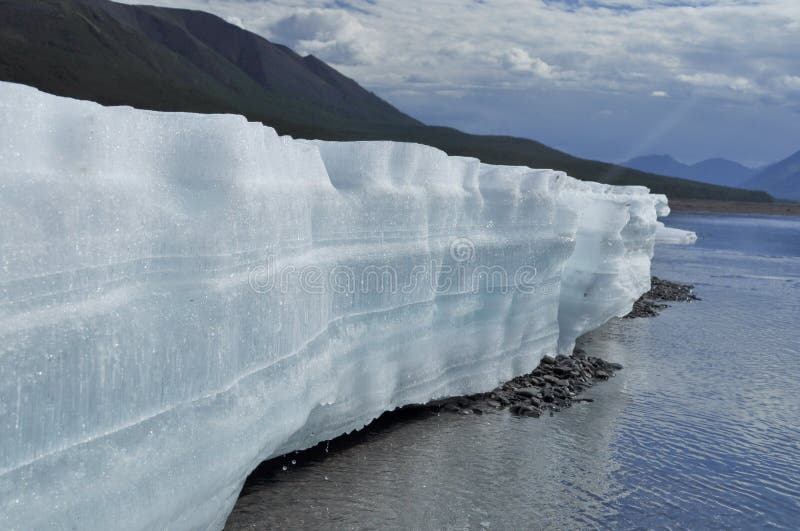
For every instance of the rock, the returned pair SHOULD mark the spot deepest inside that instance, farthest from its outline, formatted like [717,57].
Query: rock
[560,392]
[529,392]
[661,290]
[533,412]
[562,372]
[552,386]
[504,398]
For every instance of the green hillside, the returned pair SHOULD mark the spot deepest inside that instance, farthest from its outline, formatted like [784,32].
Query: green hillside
[180,60]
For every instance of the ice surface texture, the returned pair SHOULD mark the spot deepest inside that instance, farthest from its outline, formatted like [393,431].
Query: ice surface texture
[183,296]
[674,236]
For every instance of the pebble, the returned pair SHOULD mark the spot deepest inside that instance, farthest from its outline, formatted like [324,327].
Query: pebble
[554,384]
[551,386]
[661,290]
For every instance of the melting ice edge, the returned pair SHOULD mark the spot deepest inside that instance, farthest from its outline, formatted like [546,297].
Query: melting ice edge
[183,296]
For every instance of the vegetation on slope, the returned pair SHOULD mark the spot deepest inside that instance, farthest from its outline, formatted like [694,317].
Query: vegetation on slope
[180,60]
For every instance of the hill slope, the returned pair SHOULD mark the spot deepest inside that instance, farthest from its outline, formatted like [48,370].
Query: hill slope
[181,60]
[171,59]
[781,179]
[713,171]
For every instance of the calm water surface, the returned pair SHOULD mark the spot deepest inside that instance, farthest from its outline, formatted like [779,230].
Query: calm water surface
[700,430]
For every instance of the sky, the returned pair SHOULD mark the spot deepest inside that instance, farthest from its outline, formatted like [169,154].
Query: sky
[604,79]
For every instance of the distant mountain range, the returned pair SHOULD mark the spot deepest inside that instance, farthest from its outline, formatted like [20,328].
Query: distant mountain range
[714,171]
[782,179]
[181,60]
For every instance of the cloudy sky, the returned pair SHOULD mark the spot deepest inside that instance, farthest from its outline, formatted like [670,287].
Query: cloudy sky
[607,79]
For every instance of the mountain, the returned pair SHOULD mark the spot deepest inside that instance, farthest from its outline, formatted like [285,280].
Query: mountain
[781,179]
[181,60]
[721,171]
[175,60]
[660,164]
[713,171]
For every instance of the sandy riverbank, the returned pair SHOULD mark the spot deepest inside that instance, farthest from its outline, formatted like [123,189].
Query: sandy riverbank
[737,207]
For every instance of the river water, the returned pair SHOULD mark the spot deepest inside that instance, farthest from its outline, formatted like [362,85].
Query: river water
[701,429]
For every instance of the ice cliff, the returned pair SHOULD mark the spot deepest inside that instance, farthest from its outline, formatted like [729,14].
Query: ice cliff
[183,296]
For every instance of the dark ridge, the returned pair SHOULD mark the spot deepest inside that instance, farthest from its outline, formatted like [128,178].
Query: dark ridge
[781,179]
[180,60]
[713,171]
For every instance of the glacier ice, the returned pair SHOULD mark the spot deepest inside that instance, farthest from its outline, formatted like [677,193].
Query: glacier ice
[674,236]
[183,296]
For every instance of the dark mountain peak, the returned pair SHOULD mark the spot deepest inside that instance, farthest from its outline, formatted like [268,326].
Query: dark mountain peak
[275,67]
[661,164]
[719,170]
[781,179]
[182,60]
[657,158]
[719,161]
[714,170]
[795,157]
[313,59]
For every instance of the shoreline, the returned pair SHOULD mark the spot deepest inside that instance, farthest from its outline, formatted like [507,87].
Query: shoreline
[709,206]
[555,384]
[661,292]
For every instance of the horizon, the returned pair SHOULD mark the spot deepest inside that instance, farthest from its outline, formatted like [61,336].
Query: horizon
[629,78]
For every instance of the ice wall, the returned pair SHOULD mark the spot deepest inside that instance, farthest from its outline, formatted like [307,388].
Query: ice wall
[184,296]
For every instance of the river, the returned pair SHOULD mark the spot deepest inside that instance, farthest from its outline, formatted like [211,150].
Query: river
[701,429]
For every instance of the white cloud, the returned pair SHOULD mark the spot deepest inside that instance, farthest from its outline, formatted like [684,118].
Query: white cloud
[236,21]
[790,82]
[716,80]
[519,61]
[659,94]
[730,49]
[332,34]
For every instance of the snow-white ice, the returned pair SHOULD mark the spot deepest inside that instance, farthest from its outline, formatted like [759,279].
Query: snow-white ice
[183,296]
[674,236]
